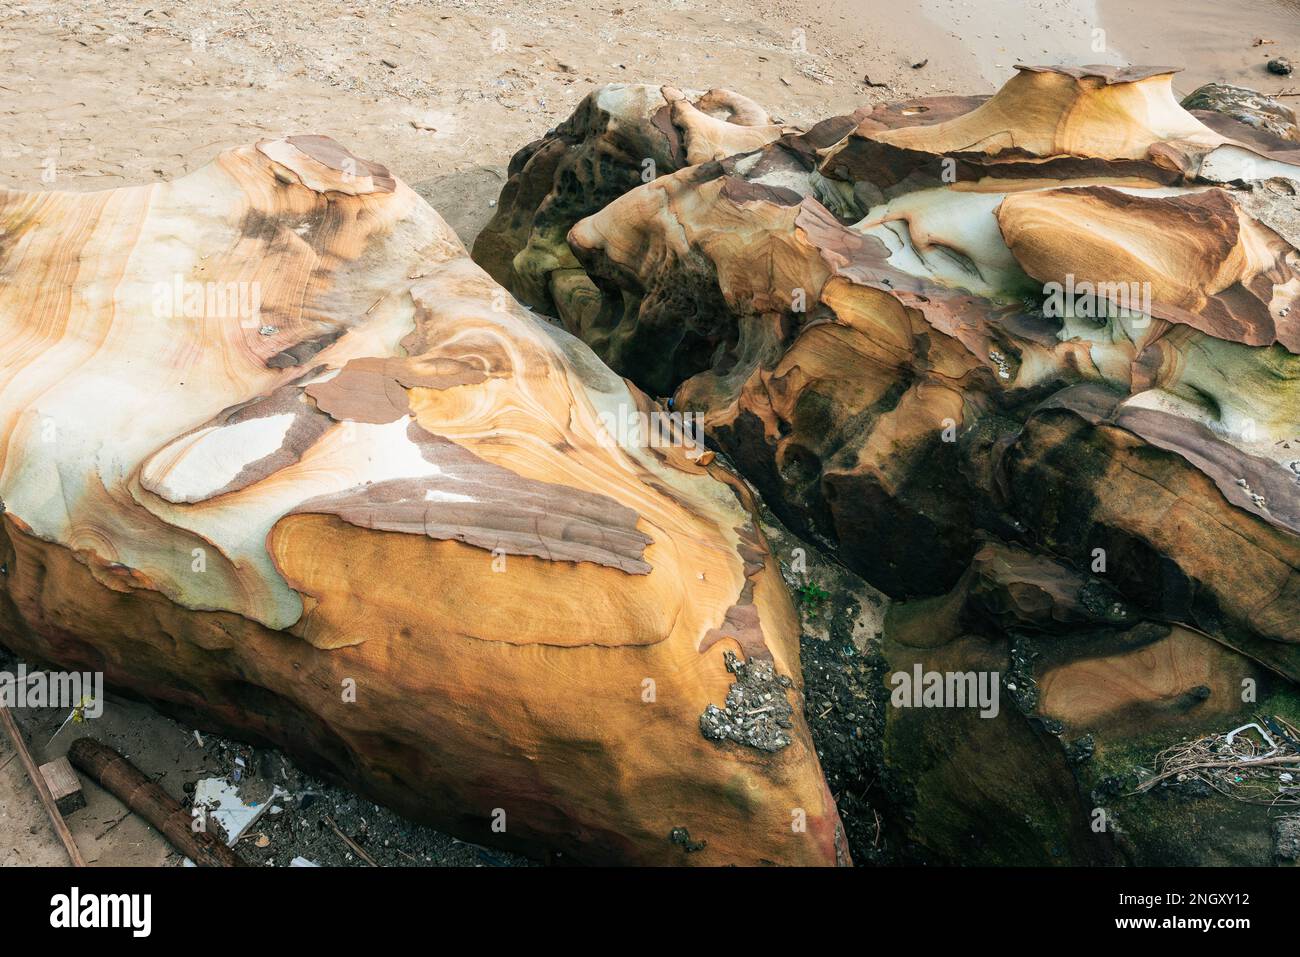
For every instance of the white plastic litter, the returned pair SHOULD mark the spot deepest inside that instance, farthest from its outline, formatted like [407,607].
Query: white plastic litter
[1262,733]
[225,806]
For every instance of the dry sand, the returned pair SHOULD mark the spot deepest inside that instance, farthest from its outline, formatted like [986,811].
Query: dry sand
[100,93]
[103,93]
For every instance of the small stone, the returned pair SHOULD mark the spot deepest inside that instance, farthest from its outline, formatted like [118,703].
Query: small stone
[1281,66]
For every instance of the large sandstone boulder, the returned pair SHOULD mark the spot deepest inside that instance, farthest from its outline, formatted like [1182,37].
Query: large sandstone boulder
[278,457]
[1031,365]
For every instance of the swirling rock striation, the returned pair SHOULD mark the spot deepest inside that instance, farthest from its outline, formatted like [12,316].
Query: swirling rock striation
[280,458]
[1056,324]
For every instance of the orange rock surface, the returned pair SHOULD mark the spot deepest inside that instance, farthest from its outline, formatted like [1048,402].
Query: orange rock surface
[1027,363]
[280,458]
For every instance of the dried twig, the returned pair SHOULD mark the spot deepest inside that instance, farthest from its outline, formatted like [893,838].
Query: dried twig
[356,848]
[1206,759]
[1147,785]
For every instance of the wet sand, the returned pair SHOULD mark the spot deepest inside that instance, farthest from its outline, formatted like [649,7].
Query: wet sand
[1211,40]
[972,45]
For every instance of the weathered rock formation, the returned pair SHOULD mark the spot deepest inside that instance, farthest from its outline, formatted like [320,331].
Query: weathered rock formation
[1213,102]
[279,457]
[620,136]
[1028,363]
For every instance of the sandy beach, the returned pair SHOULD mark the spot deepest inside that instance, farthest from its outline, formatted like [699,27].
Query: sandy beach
[103,93]
[975,43]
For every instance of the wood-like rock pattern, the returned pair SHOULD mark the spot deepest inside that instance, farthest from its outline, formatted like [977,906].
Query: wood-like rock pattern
[1027,363]
[280,458]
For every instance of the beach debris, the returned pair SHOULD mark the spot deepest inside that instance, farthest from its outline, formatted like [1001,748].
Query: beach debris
[128,784]
[76,716]
[42,789]
[64,785]
[1233,764]
[1277,729]
[353,845]
[1246,727]
[1280,66]
[222,803]
[814,72]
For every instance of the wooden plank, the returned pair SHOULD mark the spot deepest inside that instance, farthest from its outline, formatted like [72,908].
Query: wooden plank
[64,785]
[38,779]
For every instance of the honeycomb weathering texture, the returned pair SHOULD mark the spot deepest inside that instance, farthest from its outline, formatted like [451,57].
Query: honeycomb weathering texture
[270,435]
[1027,363]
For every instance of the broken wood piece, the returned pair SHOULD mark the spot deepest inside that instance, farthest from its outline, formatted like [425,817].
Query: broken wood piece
[64,785]
[33,772]
[126,782]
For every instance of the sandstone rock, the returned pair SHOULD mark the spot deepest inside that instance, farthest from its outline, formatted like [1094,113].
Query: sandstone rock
[1058,323]
[619,136]
[1090,690]
[280,458]
[1214,103]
